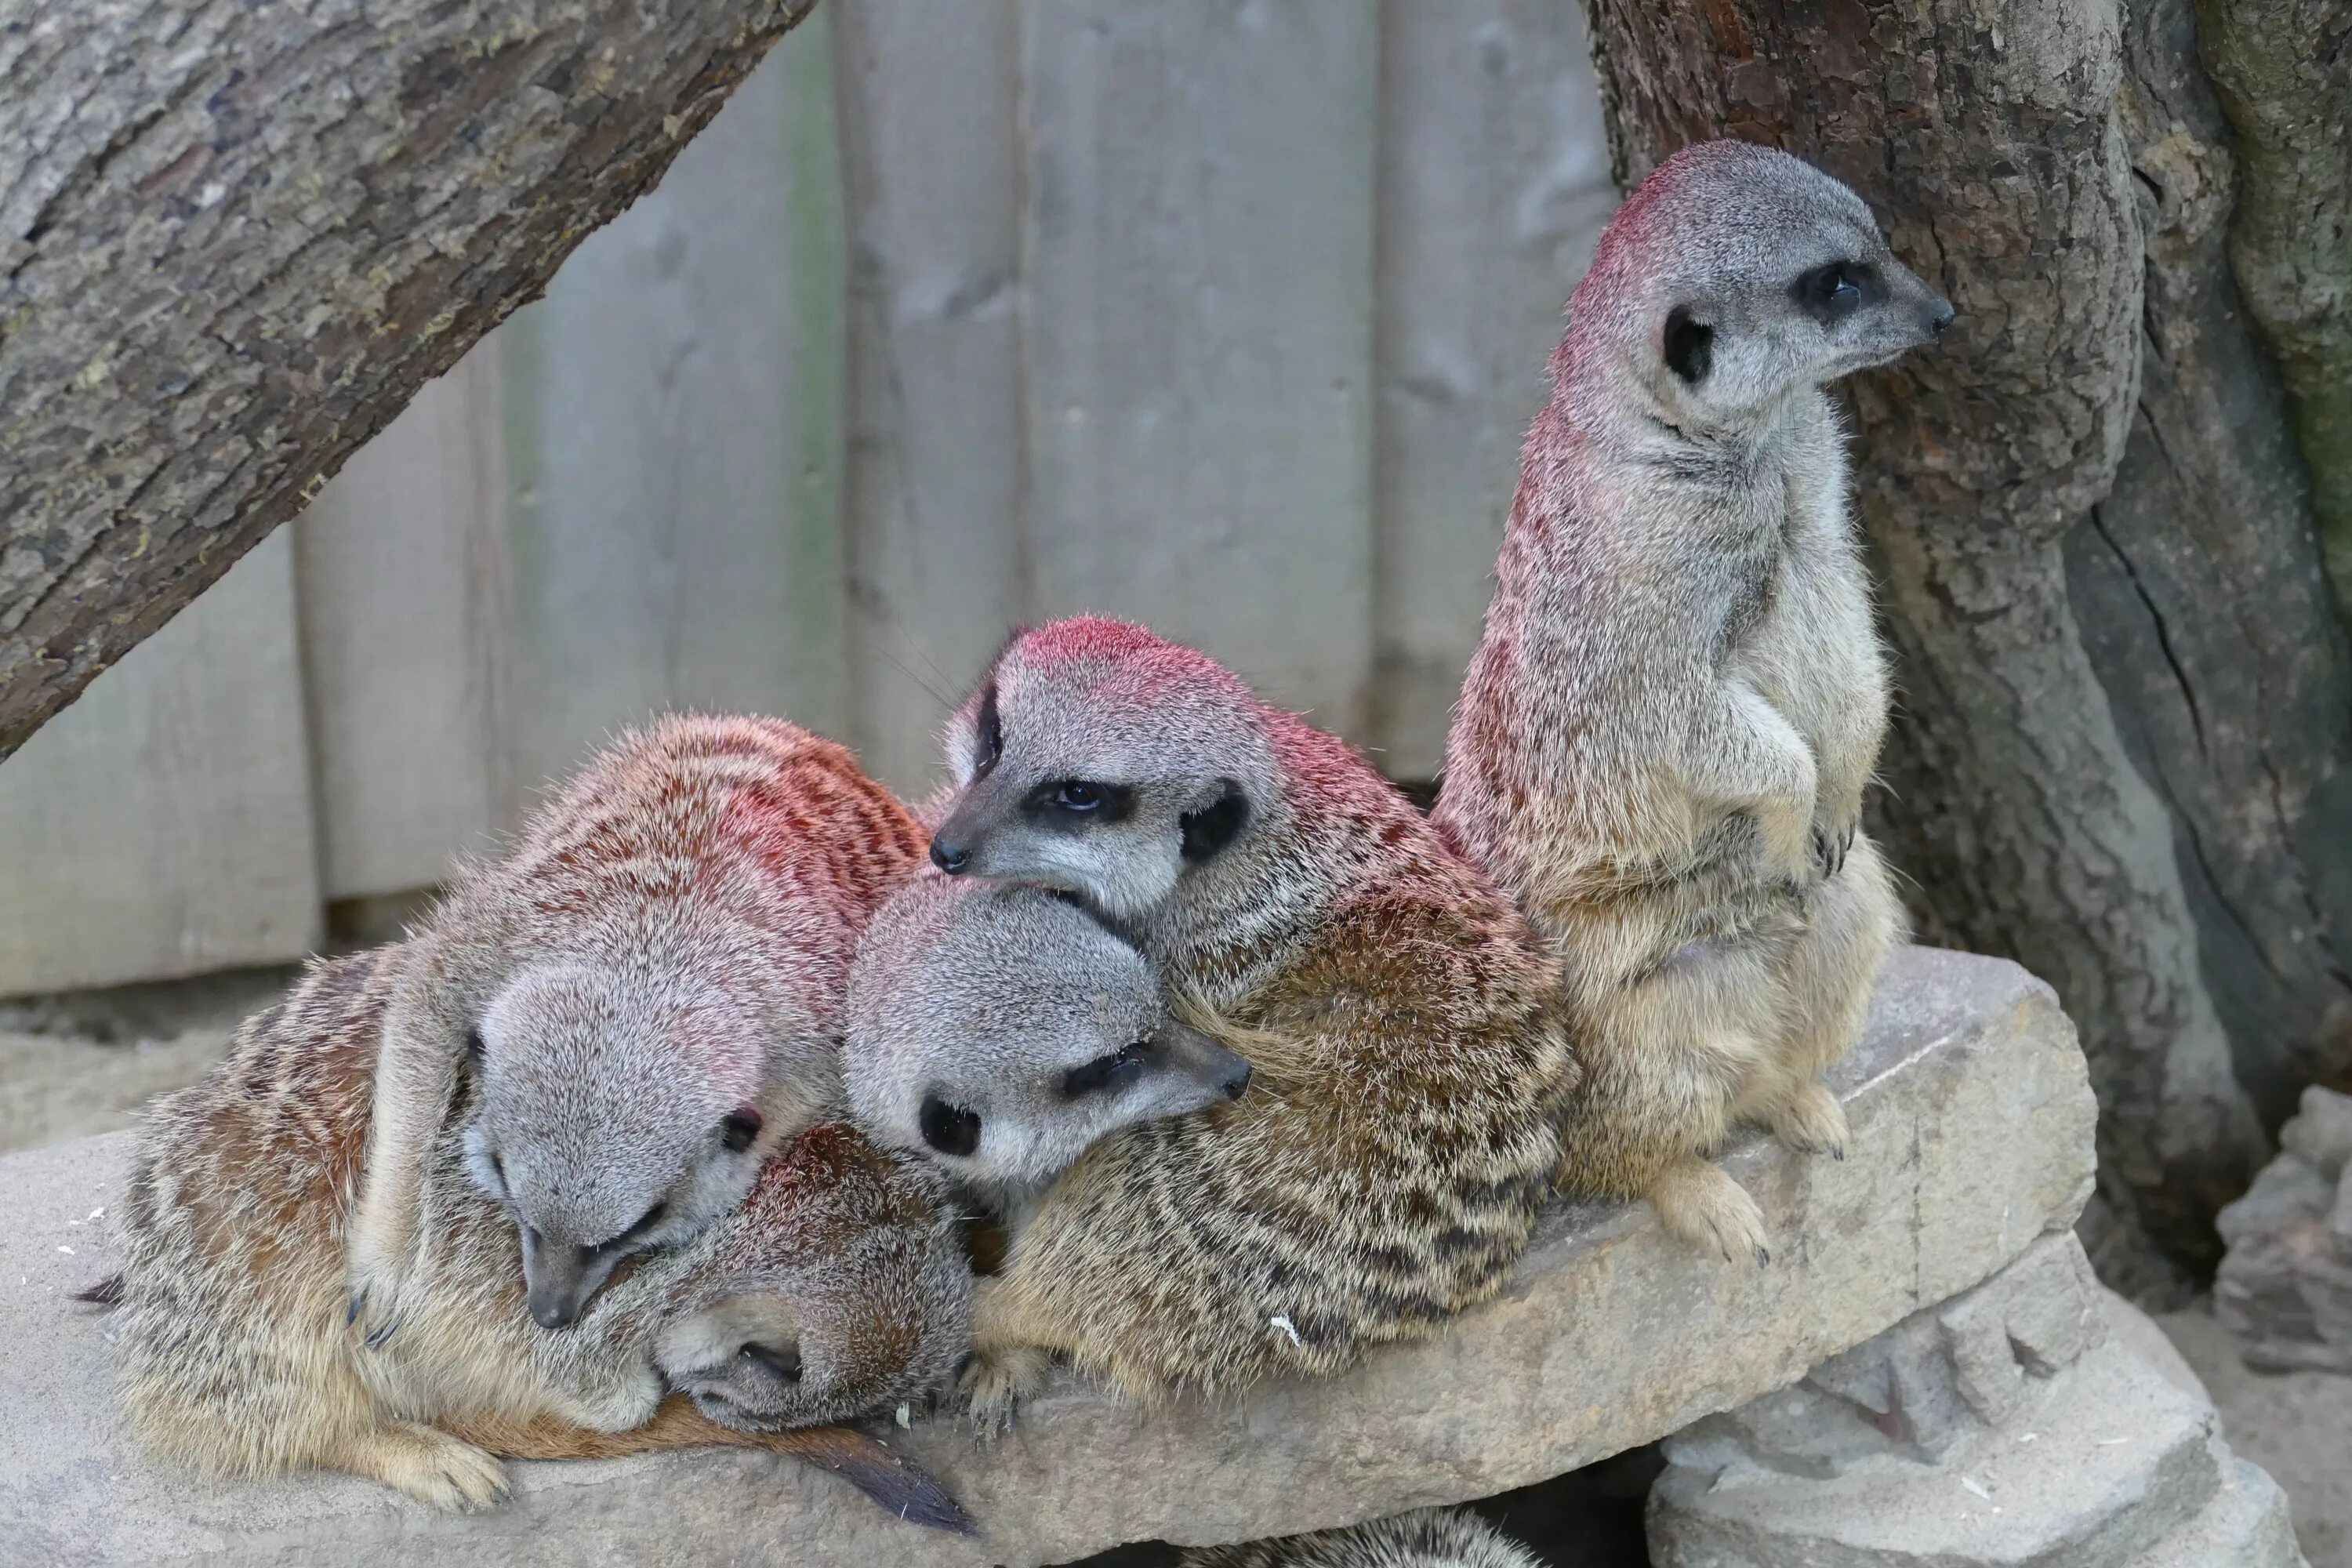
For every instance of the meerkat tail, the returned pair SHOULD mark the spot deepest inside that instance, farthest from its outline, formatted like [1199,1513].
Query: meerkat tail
[107,1292]
[896,1485]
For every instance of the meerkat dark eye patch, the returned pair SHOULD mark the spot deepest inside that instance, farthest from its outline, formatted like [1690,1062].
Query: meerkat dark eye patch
[739,1127]
[989,731]
[1114,1070]
[949,1128]
[1690,346]
[1834,292]
[1204,833]
[645,1223]
[784,1361]
[475,1049]
[1072,801]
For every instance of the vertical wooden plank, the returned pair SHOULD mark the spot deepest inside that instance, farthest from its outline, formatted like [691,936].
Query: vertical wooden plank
[407,639]
[1198,332]
[673,413]
[161,826]
[1493,186]
[930,151]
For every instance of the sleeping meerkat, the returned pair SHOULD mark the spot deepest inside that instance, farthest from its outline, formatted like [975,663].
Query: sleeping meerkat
[1385,1170]
[838,1287]
[1662,743]
[1426,1538]
[1002,1031]
[648,985]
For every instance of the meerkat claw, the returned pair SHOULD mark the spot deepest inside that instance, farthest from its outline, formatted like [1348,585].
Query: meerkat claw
[1763,1257]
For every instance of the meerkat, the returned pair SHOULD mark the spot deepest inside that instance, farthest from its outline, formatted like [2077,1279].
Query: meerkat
[838,1287]
[648,988]
[1426,1538]
[1663,742]
[1385,1170]
[1002,1031]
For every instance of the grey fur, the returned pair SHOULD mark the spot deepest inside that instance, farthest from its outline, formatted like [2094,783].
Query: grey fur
[986,998]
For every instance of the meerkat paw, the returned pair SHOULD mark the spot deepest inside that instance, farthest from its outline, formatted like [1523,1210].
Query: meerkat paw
[1812,1121]
[1704,1208]
[1832,843]
[993,1383]
[428,1464]
[374,1284]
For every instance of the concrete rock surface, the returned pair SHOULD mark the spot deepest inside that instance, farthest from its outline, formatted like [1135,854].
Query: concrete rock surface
[1971,1142]
[2006,1428]
[2284,1288]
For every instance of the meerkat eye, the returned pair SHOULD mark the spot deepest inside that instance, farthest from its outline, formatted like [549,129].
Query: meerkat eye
[739,1127]
[1835,290]
[1114,1070]
[1082,797]
[785,1362]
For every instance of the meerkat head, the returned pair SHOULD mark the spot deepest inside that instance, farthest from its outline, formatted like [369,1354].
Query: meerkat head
[617,1112]
[1102,761]
[1738,275]
[1000,1031]
[838,1287]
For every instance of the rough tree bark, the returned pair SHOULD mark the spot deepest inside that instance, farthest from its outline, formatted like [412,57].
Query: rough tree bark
[2121,754]
[234,239]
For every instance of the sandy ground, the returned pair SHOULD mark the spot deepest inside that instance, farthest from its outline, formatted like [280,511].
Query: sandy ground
[2297,1425]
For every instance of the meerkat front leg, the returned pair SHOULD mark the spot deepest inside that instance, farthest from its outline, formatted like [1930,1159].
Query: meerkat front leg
[415,1081]
[1005,1364]
[428,1464]
[1745,755]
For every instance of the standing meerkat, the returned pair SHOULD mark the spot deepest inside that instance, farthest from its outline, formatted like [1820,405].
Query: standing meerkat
[1426,1538]
[649,986]
[1002,1031]
[1386,1170]
[838,1287]
[1663,740]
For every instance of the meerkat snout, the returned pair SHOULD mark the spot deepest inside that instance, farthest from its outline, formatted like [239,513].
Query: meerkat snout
[1001,1031]
[651,1157]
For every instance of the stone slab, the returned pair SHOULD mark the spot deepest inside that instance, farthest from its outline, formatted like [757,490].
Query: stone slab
[1971,1123]
[2284,1287]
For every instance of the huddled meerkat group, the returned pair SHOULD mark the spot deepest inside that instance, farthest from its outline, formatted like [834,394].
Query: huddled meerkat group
[680,1122]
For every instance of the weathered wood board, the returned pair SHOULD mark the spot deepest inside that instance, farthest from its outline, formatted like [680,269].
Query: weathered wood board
[161,826]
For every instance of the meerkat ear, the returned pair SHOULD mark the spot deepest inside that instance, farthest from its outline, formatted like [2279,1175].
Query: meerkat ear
[1207,831]
[1689,346]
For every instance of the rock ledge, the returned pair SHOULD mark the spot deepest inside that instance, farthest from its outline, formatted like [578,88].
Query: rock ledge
[1972,1125]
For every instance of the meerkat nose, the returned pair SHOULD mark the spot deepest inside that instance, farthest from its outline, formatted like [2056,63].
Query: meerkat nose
[950,857]
[1939,317]
[1236,1081]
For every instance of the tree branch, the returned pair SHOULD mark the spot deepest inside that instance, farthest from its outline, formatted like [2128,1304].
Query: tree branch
[234,239]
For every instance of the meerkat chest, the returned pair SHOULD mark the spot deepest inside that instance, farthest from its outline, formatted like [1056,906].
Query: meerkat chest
[1800,627]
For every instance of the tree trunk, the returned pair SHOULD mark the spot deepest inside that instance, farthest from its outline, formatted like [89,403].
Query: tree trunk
[2121,744]
[234,239]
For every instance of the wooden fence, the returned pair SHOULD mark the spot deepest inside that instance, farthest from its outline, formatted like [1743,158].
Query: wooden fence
[1227,315]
